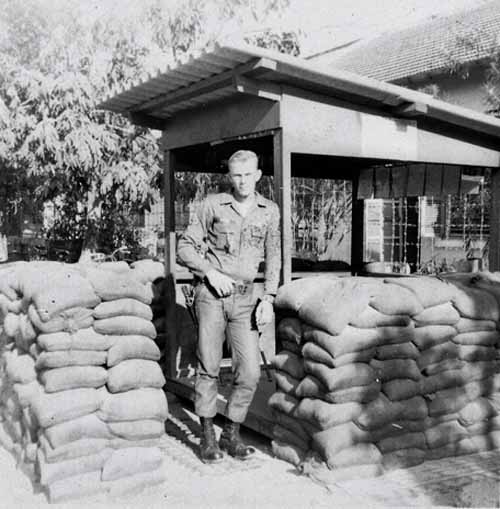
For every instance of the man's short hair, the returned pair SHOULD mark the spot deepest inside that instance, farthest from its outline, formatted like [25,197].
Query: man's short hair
[242,156]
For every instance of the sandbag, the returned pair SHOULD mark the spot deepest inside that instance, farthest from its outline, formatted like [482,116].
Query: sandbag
[433,335]
[52,472]
[26,333]
[285,382]
[289,363]
[310,387]
[370,318]
[289,437]
[472,353]
[137,430]
[445,365]
[403,459]
[482,427]
[350,340]
[147,270]
[481,369]
[475,411]
[290,329]
[413,408]
[448,350]
[378,413]
[68,320]
[396,368]
[81,486]
[409,425]
[314,352]
[442,314]
[292,295]
[288,452]
[130,461]
[298,426]
[291,346]
[403,388]
[430,291]
[73,377]
[475,303]
[392,335]
[363,394]
[87,426]
[399,442]
[445,433]
[282,402]
[333,309]
[358,454]
[484,338]
[125,325]
[20,368]
[397,351]
[62,358]
[71,450]
[123,307]
[135,374]
[396,300]
[443,380]
[134,484]
[58,407]
[343,377]
[325,415]
[27,393]
[134,405]
[54,291]
[110,285]
[472,325]
[84,339]
[447,401]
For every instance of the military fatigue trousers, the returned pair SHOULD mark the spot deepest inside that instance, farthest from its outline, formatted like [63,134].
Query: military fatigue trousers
[218,318]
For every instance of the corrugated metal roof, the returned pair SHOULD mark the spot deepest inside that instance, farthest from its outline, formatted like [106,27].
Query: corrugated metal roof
[209,75]
[430,47]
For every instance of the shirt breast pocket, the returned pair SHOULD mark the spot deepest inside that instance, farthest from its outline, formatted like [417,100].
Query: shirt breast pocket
[257,236]
[222,232]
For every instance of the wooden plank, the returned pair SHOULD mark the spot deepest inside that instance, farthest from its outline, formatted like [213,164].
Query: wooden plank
[365,187]
[283,192]
[416,179]
[235,116]
[399,181]
[494,251]
[433,179]
[259,88]
[451,179]
[170,254]
[382,182]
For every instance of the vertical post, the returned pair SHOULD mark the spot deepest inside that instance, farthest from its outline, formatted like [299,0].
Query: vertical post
[494,250]
[357,227]
[283,193]
[171,346]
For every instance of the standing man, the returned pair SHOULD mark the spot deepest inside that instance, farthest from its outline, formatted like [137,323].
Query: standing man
[223,247]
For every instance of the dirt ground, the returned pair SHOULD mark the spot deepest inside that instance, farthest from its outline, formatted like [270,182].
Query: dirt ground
[472,481]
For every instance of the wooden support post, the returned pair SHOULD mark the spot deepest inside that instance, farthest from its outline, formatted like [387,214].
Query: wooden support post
[171,345]
[283,192]
[494,250]
[358,227]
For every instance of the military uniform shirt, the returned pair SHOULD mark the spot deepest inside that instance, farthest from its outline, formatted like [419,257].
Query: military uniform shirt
[220,238]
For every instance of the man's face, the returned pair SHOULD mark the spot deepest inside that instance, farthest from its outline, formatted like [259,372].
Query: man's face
[244,176]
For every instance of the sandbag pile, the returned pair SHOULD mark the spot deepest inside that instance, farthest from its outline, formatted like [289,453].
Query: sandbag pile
[379,374]
[83,402]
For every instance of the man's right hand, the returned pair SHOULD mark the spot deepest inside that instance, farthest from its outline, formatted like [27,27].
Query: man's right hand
[222,284]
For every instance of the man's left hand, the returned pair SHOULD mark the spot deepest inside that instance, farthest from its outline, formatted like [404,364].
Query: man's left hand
[264,313]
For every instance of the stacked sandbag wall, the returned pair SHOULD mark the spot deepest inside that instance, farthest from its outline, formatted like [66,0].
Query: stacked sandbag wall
[379,374]
[82,397]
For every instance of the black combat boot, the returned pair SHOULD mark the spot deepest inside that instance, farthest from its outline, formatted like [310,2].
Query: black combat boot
[230,441]
[209,449]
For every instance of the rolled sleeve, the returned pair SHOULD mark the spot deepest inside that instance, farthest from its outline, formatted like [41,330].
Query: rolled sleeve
[273,253]
[192,246]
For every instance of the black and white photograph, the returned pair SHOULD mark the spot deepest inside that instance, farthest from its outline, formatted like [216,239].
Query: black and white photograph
[249,254]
